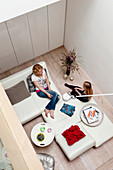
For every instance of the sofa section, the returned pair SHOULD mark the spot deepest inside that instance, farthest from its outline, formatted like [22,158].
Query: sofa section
[62,118]
[27,110]
[42,102]
[95,135]
[78,147]
[32,106]
[101,133]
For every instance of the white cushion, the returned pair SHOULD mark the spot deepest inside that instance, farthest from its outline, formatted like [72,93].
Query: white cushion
[78,147]
[44,101]
[58,117]
[102,132]
[26,110]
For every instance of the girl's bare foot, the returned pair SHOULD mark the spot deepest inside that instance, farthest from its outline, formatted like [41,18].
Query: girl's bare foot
[46,112]
[52,113]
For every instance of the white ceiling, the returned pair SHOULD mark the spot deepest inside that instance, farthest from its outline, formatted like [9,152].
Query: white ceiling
[13,8]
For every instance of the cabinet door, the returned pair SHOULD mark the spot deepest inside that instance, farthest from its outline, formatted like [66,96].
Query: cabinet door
[20,36]
[39,30]
[56,18]
[7,56]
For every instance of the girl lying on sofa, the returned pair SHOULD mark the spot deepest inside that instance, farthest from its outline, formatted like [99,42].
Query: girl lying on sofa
[43,89]
[78,91]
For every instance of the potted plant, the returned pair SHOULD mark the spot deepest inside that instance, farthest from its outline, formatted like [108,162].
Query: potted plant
[69,62]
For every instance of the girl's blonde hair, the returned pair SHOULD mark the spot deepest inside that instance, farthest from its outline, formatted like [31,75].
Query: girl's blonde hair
[36,69]
[88,88]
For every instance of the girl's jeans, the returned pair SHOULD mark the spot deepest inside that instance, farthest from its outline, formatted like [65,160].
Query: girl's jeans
[51,105]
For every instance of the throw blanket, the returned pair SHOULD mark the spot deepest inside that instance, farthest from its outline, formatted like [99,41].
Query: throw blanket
[73,134]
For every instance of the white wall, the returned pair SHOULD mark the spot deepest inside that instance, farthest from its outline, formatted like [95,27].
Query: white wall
[89,29]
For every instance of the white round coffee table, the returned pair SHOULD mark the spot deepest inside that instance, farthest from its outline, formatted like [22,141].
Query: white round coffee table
[42,134]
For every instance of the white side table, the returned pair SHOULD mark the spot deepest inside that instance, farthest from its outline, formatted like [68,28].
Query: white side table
[42,134]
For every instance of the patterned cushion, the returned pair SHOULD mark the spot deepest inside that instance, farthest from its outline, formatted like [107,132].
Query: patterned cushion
[31,86]
[47,161]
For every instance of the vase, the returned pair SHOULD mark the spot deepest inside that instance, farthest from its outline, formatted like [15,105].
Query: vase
[68,71]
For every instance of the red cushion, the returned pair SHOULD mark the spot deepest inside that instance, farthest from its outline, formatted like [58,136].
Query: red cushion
[73,134]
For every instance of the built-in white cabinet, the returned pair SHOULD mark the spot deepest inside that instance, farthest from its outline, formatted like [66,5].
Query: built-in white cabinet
[7,55]
[56,20]
[20,36]
[32,34]
[39,30]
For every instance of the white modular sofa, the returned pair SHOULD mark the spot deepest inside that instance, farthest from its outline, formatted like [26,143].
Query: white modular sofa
[95,136]
[33,106]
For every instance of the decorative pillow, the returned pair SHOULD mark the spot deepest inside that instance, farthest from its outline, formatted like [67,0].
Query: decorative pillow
[17,92]
[31,86]
[47,161]
[73,134]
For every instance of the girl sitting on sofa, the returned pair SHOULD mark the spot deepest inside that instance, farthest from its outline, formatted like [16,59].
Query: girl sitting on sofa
[43,89]
[78,91]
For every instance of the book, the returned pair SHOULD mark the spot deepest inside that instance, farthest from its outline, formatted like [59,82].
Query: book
[91,114]
[68,109]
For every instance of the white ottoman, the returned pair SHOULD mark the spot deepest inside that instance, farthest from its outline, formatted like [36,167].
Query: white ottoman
[102,132]
[77,148]
[59,117]
[26,110]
